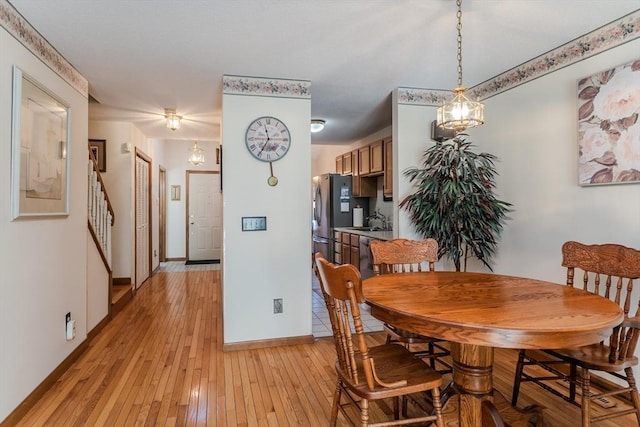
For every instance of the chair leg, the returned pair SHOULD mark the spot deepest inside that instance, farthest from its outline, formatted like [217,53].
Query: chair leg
[364,412]
[437,406]
[586,398]
[517,378]
[634,392]
[573,376]
[336,404]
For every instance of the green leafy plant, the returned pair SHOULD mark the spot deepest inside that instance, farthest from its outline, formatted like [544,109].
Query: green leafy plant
[454,201]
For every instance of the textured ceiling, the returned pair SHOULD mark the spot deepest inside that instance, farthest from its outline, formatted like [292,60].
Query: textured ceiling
[142,56]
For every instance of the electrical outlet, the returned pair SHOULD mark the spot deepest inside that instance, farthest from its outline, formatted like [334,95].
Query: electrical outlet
[69,327]
[277,306]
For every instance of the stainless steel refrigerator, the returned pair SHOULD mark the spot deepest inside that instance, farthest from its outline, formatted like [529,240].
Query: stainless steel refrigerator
[332,207]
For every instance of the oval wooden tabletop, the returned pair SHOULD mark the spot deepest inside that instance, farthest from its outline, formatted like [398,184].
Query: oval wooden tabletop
[491,310]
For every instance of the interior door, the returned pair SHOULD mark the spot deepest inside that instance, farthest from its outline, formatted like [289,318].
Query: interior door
[143,220]
[204,216]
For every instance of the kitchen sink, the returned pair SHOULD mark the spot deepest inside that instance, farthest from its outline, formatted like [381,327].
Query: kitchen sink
[365,228]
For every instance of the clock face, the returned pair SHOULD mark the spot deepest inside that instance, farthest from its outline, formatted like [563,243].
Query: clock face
[268,139]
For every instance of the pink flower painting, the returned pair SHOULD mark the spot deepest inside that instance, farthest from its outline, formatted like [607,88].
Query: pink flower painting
[608,126]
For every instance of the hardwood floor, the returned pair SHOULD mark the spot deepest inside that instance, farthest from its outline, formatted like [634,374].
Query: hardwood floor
[159,363]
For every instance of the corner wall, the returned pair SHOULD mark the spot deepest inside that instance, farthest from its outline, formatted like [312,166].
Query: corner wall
[259,266]
[43,262]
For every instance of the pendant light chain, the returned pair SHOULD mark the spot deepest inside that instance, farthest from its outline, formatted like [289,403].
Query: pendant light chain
[459,27]
[460,113]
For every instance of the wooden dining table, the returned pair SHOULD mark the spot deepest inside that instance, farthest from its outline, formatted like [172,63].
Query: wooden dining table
[477,312]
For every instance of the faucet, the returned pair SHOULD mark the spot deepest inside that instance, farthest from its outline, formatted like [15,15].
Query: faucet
[377,215]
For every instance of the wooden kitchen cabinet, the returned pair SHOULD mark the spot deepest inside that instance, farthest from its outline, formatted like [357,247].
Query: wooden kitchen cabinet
[360,186]
[346,248]
[377,157]
[351,249]
[347,165]
[364,165]
[339,166]
[337,247]
[387,184]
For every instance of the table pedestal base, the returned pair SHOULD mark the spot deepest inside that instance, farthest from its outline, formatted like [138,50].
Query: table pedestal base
[472,390]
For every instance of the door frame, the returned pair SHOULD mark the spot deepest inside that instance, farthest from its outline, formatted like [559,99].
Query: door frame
[186,213]
[162,214]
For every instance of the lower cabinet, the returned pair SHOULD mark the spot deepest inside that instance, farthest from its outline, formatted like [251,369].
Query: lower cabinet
[354,249]
[350,249]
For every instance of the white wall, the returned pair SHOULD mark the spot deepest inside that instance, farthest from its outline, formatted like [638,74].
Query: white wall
[533,131]
[43,261]
[538,173]
[175,162]
[262,265]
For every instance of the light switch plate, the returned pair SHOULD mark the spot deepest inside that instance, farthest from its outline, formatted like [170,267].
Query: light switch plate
[254,223]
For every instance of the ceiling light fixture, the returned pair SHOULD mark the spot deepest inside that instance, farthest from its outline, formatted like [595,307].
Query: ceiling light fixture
[317,125]
[173,120]
[197,154]
[460,113]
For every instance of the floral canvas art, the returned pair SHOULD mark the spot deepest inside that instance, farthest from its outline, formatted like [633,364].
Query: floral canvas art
[608,126]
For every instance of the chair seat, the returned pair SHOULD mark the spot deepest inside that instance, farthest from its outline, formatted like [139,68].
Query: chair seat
[593,357]
[393,363]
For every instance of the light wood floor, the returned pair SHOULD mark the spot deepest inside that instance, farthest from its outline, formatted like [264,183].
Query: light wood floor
[159,363]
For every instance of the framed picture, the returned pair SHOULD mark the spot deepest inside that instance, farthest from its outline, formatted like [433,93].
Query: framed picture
[98,147]
[175,192]
[39,145]
[608,126]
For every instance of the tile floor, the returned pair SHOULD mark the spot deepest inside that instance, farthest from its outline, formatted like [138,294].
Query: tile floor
[321,324]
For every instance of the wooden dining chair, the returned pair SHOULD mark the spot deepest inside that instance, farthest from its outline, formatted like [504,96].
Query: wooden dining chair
[367,374]
[612,271]
[400,256]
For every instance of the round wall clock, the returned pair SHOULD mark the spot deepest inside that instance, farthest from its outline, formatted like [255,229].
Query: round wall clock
[268,139]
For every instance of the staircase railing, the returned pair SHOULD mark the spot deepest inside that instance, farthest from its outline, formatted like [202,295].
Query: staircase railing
[100,212]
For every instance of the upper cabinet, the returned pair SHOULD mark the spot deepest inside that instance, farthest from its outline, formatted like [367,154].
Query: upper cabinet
[366,163]
[347,163]
[339,165]
[377,157]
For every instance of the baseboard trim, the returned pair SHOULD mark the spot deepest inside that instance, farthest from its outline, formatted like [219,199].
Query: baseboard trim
[122,280]
[276,342]
[33,398]
[176,259]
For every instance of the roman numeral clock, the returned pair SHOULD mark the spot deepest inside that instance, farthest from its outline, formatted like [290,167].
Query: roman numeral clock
[268,140]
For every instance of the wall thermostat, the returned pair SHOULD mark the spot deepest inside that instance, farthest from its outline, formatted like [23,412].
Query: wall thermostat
[254,223]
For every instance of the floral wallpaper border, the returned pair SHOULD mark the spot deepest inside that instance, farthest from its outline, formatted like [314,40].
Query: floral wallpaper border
[22,31]
[240,85]
[604,38]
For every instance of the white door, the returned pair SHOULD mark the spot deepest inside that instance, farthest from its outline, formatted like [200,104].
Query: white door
[204,216]
[142,216]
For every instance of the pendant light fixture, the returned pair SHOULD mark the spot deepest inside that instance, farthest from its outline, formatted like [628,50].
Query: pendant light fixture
[173,120]
[460,113]
[196,155]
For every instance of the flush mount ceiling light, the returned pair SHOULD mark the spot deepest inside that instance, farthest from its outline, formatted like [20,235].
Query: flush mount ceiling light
[460,113]
[317,125]
[197,154]
[173,120]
